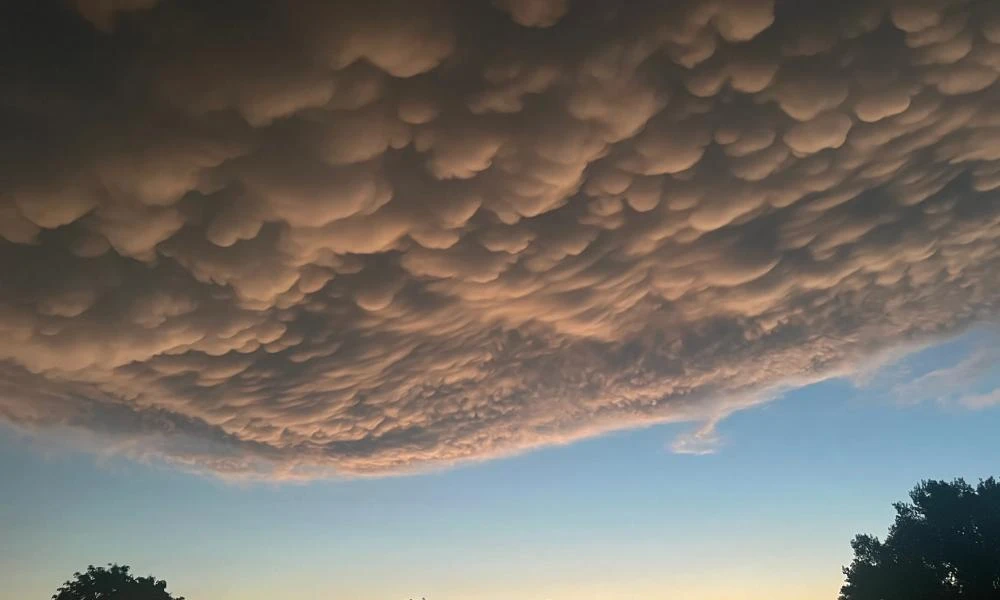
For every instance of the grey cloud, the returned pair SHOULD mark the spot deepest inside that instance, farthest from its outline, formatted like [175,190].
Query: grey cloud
[303,238]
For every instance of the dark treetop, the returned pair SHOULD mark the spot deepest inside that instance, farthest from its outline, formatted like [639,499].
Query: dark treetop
[113,583]
[943,545]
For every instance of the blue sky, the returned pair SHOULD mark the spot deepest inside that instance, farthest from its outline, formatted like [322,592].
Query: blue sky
[769,515]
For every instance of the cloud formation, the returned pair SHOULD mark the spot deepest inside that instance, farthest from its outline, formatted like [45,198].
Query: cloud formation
[304,238]
[971,383]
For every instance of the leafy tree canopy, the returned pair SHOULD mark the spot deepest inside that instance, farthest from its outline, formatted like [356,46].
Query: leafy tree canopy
[112,583]
[943,545]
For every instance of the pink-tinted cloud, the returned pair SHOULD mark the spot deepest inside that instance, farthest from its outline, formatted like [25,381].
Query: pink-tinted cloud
[296,239]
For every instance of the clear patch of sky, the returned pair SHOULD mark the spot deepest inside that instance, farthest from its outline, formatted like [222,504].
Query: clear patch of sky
[769,515]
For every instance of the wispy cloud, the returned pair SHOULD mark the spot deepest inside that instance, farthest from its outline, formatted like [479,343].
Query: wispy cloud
[956,385]
[704,440]
[980,401]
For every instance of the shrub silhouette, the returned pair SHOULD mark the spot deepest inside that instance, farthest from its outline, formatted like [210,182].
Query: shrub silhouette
[943,545]
[112,583]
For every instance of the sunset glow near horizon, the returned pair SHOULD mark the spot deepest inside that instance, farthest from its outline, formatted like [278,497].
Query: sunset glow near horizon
[476,299]
[767,517]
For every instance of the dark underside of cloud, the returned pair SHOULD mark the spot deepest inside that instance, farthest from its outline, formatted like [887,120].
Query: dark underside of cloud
[309,238]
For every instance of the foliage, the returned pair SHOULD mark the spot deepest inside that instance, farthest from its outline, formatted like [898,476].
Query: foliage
[112,583]
[943,545]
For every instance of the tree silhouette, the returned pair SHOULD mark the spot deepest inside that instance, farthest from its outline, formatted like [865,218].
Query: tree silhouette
[112,583]
[943,545]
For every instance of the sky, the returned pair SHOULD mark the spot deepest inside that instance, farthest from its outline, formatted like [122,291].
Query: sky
[767,517]
[554,273]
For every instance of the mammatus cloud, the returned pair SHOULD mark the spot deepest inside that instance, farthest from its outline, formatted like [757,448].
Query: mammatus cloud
[303,238]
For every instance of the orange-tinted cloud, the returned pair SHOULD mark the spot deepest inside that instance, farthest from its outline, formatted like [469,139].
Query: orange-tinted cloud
[294,239]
